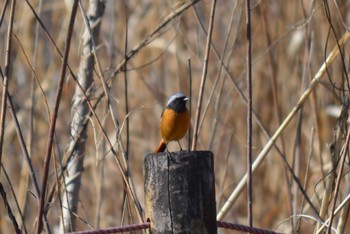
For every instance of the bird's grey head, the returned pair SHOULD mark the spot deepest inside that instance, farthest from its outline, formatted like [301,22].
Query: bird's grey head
[177,101]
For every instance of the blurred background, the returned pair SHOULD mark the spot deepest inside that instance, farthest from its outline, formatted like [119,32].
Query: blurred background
[290,42]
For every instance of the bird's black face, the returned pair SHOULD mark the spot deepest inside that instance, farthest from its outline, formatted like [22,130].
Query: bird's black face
[178,103]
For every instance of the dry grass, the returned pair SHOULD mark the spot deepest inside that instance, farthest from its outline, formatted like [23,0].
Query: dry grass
[286,55]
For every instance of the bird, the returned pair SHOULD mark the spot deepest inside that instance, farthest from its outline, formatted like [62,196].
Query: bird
[174,122]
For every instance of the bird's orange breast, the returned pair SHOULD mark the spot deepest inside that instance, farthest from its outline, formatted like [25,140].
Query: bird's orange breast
[174,125]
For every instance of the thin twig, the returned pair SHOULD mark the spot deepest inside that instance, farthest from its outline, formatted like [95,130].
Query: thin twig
[126,80]
[340,173]
[190,95]
[24,176]
[127,120]
[307,174]
[100,191]
[15,199]
[204,76]
[271,65]
[249,114]
[6,77]
[55,114]
[296,160]
[32,68]
[58,187]
[343,217]
[8,209]
[3,12]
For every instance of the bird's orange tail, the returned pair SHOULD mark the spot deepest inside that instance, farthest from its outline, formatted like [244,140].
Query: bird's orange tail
[161,147]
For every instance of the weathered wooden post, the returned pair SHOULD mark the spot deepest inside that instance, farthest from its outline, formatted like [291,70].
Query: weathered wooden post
[180,192]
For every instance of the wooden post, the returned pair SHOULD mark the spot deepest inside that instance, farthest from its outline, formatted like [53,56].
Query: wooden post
[180,192]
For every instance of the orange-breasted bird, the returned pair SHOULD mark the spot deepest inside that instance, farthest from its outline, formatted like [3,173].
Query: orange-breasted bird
[175,120]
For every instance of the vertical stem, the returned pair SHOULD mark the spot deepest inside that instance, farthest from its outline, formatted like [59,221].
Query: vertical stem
[204,76]
[54,116]
[3,11]
[126,80]
[6,77]
[126,96]
[273,76]
[9,210]
[190,105]
[249,114]
[22,191]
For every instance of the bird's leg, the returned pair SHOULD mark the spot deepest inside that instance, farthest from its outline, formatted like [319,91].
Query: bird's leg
[169,154]
[166,149]
[178,142]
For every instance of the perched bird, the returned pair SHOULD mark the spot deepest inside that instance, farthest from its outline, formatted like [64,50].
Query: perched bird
[175,120]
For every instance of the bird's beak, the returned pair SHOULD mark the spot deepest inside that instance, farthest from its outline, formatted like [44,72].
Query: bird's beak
[186,99]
